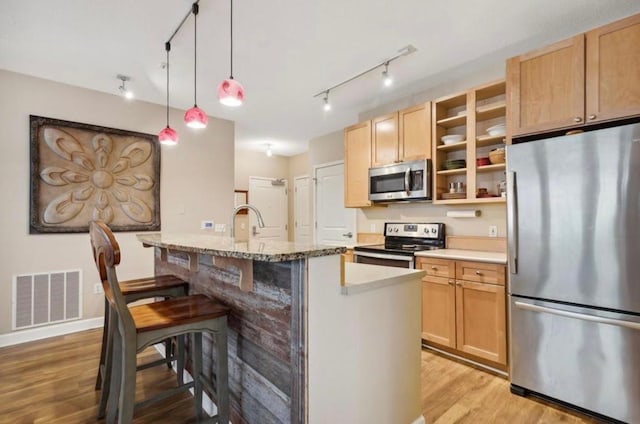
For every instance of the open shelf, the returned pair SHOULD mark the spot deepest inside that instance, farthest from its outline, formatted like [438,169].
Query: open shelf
[452,147]
[491,168]
[458,171]
[453,121]
[490,111]
[488,140]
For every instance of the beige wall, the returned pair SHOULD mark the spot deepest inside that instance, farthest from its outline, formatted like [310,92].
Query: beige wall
[196,181]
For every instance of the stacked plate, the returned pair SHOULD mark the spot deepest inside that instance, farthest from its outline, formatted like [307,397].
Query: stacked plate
[455,164]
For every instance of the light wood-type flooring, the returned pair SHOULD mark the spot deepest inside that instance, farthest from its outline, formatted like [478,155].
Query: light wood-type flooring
[51,382]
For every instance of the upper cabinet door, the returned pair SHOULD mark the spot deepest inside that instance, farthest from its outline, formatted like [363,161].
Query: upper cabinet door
[357,161]
[385,140]
[545,88]
[415,132]
[613,70]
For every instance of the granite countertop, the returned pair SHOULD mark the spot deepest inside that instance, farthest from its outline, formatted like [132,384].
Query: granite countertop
[465,255]
[363,277]
[257,250]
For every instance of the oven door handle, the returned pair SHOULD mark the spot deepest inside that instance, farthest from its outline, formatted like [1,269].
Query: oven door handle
[384,256]
[407,181]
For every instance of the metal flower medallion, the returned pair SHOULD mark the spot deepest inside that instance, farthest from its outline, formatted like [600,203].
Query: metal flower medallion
[82,172]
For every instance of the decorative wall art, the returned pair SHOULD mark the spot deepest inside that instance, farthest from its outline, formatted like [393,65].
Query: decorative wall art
[81,172]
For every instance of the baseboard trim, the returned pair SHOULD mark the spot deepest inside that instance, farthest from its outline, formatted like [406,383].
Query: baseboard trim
[419,420]
[33,334]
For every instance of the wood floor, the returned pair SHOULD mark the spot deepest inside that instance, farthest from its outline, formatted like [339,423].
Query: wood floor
[51,381]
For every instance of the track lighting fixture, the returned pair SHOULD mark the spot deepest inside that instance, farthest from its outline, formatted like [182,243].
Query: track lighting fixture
[168,135]
[128,94]
[230,91]
[327,105]
[195,117]
[387,78]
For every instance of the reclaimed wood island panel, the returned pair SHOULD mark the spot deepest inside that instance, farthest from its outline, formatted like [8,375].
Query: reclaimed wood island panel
[263,282]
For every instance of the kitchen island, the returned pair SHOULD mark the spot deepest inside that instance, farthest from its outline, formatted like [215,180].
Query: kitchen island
[296,332]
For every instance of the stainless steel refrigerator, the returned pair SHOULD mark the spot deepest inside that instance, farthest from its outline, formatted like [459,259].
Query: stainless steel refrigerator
[573,215]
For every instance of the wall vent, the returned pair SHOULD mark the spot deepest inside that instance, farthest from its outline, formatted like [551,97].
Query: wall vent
[46,298]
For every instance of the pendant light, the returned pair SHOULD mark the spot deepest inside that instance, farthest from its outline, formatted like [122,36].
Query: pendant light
[195,117]
[230,91]
[168,135]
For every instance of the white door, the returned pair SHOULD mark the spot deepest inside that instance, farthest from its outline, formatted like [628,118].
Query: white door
[269,195]
[335,224]
[302,210]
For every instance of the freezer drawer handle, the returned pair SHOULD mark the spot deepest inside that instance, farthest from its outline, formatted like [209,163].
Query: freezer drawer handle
[559,312]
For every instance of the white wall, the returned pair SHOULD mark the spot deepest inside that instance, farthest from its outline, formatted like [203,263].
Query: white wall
[196,181]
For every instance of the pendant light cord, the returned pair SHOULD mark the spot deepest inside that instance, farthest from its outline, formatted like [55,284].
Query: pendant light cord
[195,53]
[231,27]
[167,47]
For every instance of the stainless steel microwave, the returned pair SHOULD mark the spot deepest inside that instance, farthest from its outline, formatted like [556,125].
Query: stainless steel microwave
[401,181]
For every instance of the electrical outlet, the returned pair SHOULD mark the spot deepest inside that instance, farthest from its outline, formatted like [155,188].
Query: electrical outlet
[97,288]
[493,231]
[207,225]
[220,228]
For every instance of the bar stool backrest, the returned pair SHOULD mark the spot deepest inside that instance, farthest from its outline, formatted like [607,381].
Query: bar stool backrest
[106,254]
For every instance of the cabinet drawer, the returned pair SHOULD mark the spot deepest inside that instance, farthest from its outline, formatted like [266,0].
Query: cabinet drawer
[438,267]
[480,272]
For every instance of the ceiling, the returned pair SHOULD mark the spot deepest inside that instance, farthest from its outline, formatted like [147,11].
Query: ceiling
[285,51]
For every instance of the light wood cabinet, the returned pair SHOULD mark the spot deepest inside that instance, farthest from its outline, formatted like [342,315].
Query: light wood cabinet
[402,136]
[415,133]
[588,78]
[469,114]
[464,307]
[384,142]
[357,161]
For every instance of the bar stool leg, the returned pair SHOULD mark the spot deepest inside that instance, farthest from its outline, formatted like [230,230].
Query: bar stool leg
[103,350]
[114,378]
[222,372]
[107,366]
[180,358]
[127,399]
[197,373]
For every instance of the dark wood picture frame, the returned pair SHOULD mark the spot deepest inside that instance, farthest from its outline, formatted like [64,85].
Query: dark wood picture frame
[81,172]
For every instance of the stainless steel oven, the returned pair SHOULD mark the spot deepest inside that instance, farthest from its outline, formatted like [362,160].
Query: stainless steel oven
[401,241]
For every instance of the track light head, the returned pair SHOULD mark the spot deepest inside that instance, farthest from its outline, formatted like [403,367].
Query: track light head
[128,94]
[327,105]
[387,79]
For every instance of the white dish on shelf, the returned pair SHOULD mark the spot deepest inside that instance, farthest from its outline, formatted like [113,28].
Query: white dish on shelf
[452,138]
[495,130]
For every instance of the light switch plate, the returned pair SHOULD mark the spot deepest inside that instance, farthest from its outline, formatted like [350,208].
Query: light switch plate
[493,231]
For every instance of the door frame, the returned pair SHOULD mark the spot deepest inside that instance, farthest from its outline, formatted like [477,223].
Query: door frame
[295,227]
[314,179]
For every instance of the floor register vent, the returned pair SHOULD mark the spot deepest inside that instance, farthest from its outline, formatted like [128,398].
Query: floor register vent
[46,298]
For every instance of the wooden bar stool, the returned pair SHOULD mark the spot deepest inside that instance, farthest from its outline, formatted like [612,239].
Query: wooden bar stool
[164,286]
[138,327]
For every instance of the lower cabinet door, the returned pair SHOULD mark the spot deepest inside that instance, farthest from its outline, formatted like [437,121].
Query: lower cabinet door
[481,320]
[439,311]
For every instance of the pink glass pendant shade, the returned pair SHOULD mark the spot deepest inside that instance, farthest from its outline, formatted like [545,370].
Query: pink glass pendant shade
[230,92]
[195,118]
[168,136]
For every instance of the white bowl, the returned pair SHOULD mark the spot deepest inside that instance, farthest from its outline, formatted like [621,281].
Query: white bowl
[499,129]
[453,138]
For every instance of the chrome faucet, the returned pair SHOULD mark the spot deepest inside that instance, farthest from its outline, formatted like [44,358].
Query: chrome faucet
[232,232]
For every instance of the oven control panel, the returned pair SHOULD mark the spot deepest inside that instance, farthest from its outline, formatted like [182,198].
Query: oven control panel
[401,229]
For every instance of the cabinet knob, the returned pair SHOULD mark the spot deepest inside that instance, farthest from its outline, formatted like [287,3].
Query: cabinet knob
[433,267]
[458,283]
[592,117]
[577,119]
[451,282]
[478,272]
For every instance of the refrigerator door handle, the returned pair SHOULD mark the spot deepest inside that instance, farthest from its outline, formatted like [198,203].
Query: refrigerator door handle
[584,317]
[512,222]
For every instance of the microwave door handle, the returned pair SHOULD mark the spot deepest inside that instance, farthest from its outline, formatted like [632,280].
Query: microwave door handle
[407,181]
